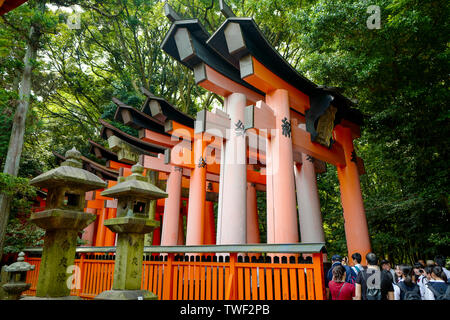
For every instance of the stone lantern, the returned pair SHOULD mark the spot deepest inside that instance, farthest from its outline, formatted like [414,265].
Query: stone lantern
[17,273]
[62,219]
[134,194]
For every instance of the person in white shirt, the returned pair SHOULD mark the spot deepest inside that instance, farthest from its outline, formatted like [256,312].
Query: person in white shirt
[440,261]
[420,277]
[427,277]
[438,282]
[398,274]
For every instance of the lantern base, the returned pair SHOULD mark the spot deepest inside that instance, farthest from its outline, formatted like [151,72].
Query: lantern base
[51,298]
[126,295]
[14,289]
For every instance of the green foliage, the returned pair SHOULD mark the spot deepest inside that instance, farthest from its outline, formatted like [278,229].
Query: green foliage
[19,233]
[261,204]
[110,110]
[16,186]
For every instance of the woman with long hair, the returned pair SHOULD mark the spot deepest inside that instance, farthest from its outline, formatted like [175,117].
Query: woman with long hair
[339,289]
[398,274]
[406,289]
[437,286]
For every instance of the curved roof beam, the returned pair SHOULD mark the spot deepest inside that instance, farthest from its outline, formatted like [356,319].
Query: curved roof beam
[135,118]
[142,146]
[242,44]
[186,42]
[160,109]
[101,152]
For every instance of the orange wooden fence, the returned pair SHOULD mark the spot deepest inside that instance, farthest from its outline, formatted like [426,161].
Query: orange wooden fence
[209,278]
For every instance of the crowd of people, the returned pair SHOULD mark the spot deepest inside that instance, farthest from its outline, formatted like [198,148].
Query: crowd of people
[347,280]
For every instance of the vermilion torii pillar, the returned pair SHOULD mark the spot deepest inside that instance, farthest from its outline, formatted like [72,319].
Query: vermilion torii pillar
[253,235]
[197,194]
[233,204]
[309,215]
[170,227]
[284,221]
[177,191]
[356,229]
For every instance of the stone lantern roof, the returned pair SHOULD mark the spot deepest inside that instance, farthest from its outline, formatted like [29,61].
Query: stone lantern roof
[20,265]
[69,173]
[135,185]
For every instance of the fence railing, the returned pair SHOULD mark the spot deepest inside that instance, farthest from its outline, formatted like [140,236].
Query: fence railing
[222,272]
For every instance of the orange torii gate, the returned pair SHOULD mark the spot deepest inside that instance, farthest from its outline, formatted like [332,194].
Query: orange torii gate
[181,155]
[153,136]
[149,121]
[294,115]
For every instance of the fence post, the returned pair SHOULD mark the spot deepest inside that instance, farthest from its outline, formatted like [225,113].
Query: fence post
[231,289]
[168,278]
[319,281]
[82,274]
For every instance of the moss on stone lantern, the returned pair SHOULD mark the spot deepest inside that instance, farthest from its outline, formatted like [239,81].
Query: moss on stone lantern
[62,219]
[134,194]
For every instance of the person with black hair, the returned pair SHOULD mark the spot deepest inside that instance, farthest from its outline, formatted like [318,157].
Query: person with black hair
[336,260]
[398,274]
[386,265]
[440,261]
[357,267]
[428,270]
[419,276]
[339,288]
[373,284]
[406,289]
[437,288]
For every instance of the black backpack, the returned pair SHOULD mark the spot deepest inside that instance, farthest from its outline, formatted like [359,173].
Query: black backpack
[372,292]
[409,293]
[438,295]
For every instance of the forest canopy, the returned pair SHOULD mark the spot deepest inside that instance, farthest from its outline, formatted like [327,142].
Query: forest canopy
[397,74]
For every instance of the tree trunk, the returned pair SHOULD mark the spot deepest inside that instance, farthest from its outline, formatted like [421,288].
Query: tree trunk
[18,128]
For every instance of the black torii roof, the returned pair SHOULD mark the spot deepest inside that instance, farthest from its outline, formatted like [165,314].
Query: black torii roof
[136,119]
[256,44]
[101,152]
[142,146]
[201,51]
[214,52]
[169,112]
